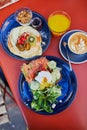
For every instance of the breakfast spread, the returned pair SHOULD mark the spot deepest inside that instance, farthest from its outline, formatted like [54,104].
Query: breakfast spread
[78,43]
[42,75]
[24,41]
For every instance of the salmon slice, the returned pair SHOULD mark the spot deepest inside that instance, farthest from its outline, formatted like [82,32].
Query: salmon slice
[30,70]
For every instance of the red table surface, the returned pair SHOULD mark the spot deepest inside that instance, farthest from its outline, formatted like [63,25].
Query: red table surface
[75,116]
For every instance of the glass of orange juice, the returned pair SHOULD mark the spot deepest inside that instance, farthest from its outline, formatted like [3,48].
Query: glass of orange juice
[59,22]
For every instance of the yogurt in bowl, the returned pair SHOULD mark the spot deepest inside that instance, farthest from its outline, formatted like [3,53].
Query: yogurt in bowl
[77,42]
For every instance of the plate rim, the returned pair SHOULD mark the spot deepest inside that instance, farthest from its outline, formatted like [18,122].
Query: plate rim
[73,30]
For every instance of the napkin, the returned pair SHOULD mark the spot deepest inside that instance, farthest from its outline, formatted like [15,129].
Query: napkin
[5,3]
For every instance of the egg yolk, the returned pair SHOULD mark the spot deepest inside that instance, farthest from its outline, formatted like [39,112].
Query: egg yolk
[44,84]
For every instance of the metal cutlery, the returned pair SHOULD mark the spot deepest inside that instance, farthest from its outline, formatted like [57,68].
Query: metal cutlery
[65,45]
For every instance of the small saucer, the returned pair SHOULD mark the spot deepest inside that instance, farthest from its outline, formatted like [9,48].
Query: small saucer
[75,58]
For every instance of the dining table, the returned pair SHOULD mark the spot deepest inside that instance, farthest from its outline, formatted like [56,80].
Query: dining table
[74,117]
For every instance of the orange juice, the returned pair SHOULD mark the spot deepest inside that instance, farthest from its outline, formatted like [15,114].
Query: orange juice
[59,22]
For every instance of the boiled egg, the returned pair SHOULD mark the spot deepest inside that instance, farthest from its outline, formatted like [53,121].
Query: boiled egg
[44,76]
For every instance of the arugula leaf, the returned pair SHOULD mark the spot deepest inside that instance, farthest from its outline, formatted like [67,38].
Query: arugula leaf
[43,100]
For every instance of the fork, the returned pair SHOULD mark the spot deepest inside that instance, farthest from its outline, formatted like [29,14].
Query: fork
[65,45]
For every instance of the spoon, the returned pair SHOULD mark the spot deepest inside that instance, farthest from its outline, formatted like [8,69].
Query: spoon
[26,91]
[65,45]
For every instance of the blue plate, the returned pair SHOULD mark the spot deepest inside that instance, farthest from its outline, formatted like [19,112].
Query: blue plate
[0,35]
[75,58]
[68,84]
[11,23]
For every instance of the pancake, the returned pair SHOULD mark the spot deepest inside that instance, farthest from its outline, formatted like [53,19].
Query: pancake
[34,50]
